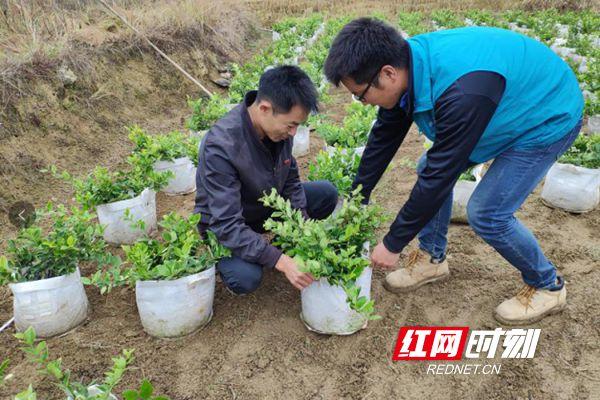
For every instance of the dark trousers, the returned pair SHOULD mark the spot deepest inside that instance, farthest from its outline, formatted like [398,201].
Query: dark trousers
[242,277]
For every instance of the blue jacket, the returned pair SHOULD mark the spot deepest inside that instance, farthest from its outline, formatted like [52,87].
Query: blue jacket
[541,101]
[475,92]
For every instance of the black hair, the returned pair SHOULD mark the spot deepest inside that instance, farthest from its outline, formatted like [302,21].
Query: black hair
[361,48]
[287,86]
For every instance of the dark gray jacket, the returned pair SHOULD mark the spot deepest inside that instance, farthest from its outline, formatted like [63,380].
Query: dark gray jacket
[235,168]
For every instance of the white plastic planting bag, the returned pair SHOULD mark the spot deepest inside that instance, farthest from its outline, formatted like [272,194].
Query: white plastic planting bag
[119,229]
[594,123]
[178,307]
[51,306]
[563,51]
[301,141]
[572,188]
[563,30]
[93,390]
[199,134]
[358,150]
[338,205]
[325,310]
[320,30]
[322,86]
[312,40]
[462,193]
[559,42]
[184,175]
[514,27]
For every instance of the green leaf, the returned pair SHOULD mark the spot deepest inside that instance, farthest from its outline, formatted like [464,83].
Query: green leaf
[28,394]
[41,347]
[330,248]
[54,245]
[28,336]
[146,389]
[130,395]
[3,263]
[54,369]
[3,368]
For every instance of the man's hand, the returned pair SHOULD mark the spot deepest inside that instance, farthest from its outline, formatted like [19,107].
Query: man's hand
[383,258]
[300,280]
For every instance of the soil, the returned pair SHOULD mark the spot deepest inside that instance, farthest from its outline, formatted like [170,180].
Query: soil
[256,347]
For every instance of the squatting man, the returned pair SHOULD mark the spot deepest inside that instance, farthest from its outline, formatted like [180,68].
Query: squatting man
[246,154]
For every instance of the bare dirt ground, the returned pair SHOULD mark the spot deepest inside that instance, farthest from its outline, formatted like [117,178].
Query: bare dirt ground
[256,347]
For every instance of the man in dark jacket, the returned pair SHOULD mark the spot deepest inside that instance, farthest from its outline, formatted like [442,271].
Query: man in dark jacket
[247,153]
[478,94]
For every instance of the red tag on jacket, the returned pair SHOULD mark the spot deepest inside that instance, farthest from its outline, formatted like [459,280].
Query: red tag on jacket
[287,162]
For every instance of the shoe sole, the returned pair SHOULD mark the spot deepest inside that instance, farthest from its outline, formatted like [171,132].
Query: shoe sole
[527,321]
[412,288]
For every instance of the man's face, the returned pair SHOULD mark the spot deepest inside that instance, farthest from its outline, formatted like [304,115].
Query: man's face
[281,126]
[391,83]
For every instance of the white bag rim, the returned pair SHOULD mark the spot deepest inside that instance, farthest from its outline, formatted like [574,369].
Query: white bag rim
[162,165]
[45,284]
[127,203]
[576,168]
[189,279]
[358,150]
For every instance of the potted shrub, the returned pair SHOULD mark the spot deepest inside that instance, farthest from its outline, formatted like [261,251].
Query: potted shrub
[354,131]
[173,152]
[205,112]
[301,141]
[573,183]
[42,269]
[335,252]
[125,200]
[174,278]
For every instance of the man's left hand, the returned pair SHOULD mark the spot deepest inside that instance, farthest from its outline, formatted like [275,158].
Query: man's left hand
[383,258]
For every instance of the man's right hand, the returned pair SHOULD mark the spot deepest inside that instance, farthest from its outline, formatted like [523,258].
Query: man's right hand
[300,280]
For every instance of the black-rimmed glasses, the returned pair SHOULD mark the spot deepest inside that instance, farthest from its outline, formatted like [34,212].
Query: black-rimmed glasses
[361,98]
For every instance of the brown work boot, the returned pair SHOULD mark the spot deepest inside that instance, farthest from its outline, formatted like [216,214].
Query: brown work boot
[419,270]
[531,305]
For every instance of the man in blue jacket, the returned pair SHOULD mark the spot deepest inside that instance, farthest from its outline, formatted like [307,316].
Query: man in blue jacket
[479,94]
[249,152]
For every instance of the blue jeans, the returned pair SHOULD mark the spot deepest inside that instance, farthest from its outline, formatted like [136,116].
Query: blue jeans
[242,276]
[512,177]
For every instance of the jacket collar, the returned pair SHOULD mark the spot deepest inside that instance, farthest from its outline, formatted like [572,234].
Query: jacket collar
[407,99]
[248,127]
[419,77]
